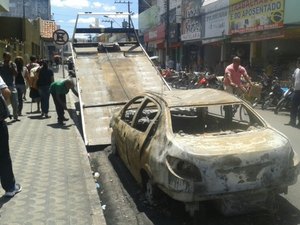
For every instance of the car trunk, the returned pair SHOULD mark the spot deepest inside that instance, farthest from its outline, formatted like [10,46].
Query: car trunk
[231,162]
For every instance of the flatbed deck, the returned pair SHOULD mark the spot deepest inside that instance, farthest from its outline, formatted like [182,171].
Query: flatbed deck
[107,81]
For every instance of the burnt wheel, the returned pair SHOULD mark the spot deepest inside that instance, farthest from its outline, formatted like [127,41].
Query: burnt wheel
[151,191]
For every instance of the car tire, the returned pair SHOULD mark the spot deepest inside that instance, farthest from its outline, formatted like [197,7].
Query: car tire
[151,191]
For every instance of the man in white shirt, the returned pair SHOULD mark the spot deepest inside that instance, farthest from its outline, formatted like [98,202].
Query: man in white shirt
[295,110]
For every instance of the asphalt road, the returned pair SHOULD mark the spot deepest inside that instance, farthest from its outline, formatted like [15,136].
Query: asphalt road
[278,122]
[124,203]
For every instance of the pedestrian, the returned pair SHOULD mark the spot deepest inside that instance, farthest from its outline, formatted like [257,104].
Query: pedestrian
[295,109]
[7,177]
[8,71]
[233,74]
[58,90]
[45,78]
[32,68]
[21,79]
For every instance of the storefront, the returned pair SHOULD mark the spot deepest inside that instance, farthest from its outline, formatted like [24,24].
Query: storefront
[255,28]
[155,42]
[215,24]
[191,27]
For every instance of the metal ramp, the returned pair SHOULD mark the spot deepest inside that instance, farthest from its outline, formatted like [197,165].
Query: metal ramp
[107,80]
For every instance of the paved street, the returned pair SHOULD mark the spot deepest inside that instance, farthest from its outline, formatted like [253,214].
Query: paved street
[278,122]
[52,165]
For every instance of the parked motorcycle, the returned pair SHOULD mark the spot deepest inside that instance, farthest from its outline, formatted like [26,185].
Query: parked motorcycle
[286,101]
[196,80]
[266,84]
[169,75]
[274,96]
[182,81]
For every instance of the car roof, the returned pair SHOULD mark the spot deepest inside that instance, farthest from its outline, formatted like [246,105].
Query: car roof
[196,97]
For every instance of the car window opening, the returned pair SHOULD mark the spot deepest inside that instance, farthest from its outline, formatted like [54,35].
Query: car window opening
[215,119]
[147,115]
[140,113]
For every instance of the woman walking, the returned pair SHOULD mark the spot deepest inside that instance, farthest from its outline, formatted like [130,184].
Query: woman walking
[45,78]
[21,79]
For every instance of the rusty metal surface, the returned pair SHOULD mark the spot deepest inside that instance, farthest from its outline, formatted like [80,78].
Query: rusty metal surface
[201,96]
[108,80]
[245,162]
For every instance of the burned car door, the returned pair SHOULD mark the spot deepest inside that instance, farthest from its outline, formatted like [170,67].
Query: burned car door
[124,127]
[143,128]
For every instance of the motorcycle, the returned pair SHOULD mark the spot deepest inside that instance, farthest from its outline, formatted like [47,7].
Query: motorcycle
[266,84]
[169,75]
[274,96]
[195,80]
[286,100]
[182,81]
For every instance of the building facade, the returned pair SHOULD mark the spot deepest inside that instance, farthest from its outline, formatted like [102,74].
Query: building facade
[30,9]
[260,32]
[30,31]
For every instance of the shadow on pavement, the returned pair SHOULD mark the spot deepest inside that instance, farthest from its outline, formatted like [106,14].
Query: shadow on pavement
[172,212]
[3,200]
[59,126]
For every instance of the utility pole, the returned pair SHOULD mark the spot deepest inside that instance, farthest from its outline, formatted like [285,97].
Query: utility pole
[129,11]
[167,29]
[108,21]
[24,28]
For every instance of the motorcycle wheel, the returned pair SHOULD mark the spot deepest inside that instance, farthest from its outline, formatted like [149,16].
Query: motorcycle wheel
[255,102]
[265,104]
[174,84]
[279,106]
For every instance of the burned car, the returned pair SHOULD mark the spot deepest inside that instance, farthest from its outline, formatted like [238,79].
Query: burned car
[203,145]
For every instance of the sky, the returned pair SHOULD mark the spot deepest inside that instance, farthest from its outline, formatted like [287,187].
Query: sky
[64,12]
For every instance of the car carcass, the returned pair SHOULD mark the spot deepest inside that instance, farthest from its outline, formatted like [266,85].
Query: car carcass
[204,145]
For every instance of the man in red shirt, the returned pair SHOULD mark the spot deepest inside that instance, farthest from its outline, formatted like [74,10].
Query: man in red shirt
[233,74]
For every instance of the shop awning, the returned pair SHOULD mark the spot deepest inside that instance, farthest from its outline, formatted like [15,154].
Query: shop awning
[193,42]
[258,36]
[292,32]
[212,40]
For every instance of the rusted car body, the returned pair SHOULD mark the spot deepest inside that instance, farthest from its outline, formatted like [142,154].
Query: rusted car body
[204,144]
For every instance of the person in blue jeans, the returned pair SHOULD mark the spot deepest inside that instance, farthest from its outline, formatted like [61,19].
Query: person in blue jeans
[45,78]
[295,109]
[7,177]
[8,71]
[58,90]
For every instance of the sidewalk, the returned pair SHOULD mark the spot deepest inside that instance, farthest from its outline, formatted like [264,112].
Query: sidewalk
[51,163]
